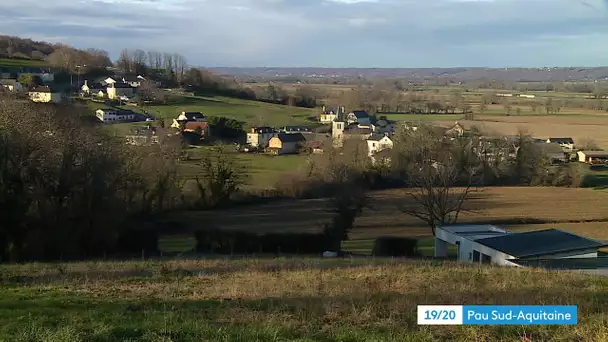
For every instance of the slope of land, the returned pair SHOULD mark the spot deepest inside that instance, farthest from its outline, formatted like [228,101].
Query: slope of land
[21,63]
[581,211]
[281,300]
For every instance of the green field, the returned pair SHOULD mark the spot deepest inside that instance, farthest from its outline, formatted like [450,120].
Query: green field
[21,63]
[281,300]
[252,113]
[262,170]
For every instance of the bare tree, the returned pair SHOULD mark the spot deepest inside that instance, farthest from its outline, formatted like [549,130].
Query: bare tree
[436,197]
[589,145]
[139,61]
[148,91]
[440,175]
[125,61]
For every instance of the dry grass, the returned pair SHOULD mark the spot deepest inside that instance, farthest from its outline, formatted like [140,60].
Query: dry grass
[281,300]
[579,128]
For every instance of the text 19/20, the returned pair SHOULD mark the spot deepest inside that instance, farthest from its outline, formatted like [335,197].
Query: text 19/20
[439,314]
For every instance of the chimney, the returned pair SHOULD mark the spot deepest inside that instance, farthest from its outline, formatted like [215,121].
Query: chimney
[85,83]
[323,109]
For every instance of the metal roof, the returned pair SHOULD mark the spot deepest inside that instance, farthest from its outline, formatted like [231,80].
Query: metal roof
[291,137]
[566,263]
[538,243]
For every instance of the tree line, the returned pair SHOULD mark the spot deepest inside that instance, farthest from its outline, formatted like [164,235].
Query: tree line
[69,190]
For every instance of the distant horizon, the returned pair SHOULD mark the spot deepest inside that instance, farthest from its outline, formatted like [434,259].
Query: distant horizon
[384,68]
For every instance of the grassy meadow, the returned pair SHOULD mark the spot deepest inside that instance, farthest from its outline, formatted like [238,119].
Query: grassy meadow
[282,300]
[251,113]
[21,63]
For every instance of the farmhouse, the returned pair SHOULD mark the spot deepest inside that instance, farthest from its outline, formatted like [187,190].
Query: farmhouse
[488,244]
[115,115]
[329,115]
[186,117]
[118,90]
[593,157]
[567,144]
[378,142]
[11,85]
[201,128]
[260,136]
[286,143]
[92,88]
[45,95]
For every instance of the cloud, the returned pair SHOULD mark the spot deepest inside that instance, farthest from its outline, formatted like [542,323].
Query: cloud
[333,33]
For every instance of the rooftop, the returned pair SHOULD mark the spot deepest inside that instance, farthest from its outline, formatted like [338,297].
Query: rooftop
[360,114]
[595,153]
[562,140]
[293,137]
[376,136]
[475,232]
[538,243]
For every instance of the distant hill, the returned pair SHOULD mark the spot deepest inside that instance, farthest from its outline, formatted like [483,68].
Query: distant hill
[549,74]
[23,48]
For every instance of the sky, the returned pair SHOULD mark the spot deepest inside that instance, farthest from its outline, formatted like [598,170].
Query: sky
[327,33]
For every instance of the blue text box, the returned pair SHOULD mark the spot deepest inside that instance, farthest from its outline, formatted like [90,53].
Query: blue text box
[519,314]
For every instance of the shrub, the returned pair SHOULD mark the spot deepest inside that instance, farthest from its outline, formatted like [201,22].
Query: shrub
[238,242]
[395,246]
[136,241]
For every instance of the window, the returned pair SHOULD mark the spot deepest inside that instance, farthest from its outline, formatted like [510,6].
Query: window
[486,259]
[476,256]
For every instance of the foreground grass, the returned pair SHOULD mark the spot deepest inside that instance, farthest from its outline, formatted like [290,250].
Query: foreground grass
[280,300]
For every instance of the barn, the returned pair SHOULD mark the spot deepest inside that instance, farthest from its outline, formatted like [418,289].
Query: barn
[489,244]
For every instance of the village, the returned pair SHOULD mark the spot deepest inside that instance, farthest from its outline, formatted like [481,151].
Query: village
[332,127]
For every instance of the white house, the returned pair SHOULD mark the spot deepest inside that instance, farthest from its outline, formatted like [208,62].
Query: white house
[45,95]
[488,244]
[378,142]
[192,116]
[115,115]
[285,143]
[12,85]
[592,157]
[567,144]
[260,136]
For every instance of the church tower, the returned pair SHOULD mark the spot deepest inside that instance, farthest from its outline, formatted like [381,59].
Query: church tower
[337,128]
